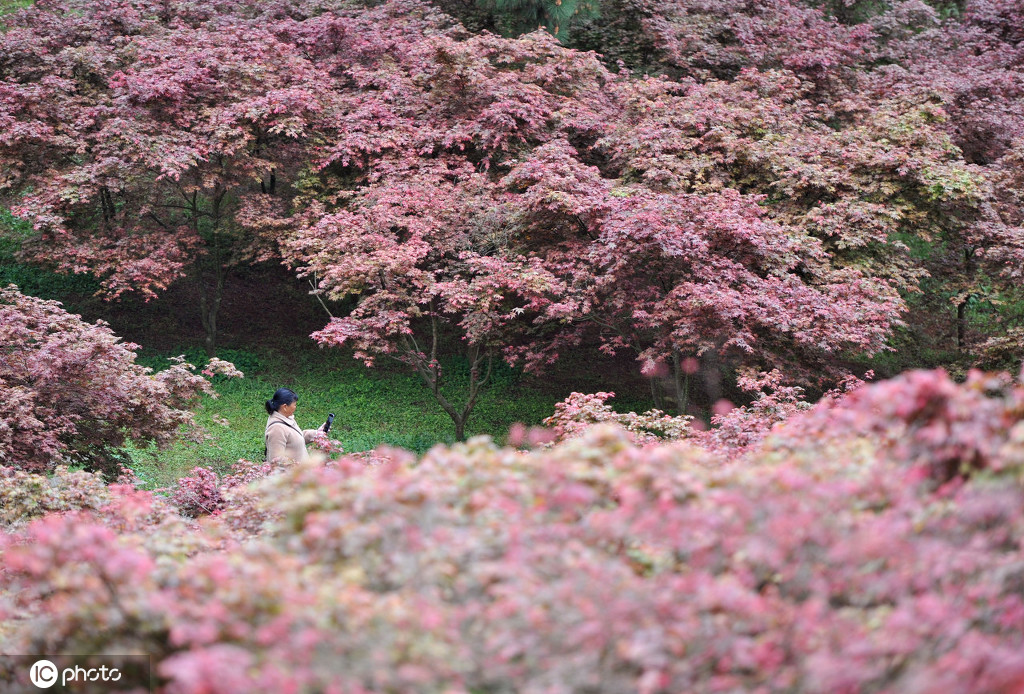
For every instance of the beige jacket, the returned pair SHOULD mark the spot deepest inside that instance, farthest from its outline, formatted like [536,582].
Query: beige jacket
[285,439]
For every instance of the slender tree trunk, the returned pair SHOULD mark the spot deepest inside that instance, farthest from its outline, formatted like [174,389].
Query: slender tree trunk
[961,325]
[961,309]
[430,371]
[211,291]
[655,392]
[712,373]
[682,384]
[209,307]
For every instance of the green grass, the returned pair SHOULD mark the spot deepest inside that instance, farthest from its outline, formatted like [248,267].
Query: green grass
[372,406]
[7,6]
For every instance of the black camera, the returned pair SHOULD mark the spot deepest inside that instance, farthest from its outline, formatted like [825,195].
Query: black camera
[330,420]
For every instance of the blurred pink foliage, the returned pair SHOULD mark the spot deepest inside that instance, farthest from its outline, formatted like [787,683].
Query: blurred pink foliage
[870,543]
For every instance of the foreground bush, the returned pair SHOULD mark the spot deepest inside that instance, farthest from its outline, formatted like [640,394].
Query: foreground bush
[832,558]
[24,496]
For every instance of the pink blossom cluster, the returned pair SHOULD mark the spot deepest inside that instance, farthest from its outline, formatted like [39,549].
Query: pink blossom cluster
[735,430]
[203,492]
[220,367]
[579,411]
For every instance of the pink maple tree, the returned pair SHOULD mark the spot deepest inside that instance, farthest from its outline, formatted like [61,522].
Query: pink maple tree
[513,198]
[969,68]
[408,213]
[74,393]
[872,126]
[140,137]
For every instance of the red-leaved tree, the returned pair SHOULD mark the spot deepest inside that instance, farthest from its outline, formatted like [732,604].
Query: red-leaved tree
[74,394]
[872,125]
[675,275]
[139,136]
[969,67]
[514,198]
[408,213]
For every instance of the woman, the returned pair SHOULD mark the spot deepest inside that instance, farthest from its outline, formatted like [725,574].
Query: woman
[283,436]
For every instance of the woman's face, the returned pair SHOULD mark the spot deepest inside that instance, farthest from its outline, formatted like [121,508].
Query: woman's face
[289,409]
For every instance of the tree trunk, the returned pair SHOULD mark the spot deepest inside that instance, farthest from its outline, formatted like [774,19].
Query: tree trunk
[210,341]
[961,325]
[682,384]
[656,392]
[209,307]
[711,370]
[210,297]
[961,308]
[430,372]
